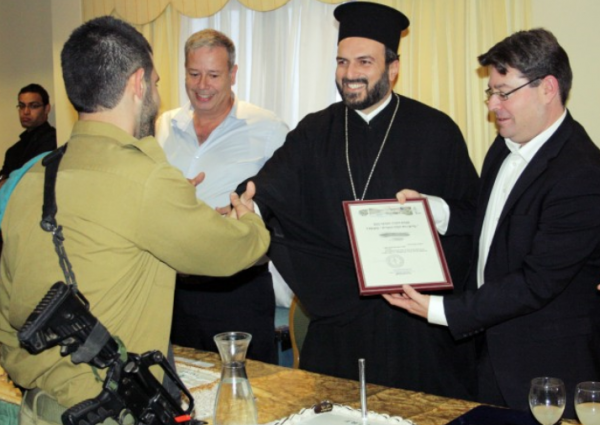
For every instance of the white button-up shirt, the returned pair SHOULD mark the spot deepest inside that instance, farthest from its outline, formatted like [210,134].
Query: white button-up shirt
[235,150]
[510,171]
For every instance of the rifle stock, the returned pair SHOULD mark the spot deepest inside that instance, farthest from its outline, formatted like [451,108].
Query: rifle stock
[63,318]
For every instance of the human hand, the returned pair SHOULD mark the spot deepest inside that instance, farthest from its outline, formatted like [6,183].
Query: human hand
[198,179]
[243,204]
[406,194]
[224,210]
[411,300]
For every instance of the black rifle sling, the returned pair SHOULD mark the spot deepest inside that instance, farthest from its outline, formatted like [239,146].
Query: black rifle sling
[49,210]
[99,335]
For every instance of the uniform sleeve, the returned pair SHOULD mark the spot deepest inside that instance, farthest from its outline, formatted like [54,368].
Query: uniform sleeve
[190,236]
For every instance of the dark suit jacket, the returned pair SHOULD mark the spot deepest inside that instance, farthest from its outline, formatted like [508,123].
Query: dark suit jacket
[539,307]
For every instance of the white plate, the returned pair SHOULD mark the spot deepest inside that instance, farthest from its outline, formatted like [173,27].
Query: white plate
[340,415]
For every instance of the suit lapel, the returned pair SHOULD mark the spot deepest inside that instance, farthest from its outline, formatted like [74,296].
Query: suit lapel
[493,161]
[538,164]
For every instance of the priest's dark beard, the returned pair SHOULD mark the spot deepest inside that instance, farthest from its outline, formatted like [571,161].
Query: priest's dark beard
[374,95]
[147,117]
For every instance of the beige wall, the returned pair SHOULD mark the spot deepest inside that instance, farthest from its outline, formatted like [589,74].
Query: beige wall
[26,52]
[575,24]
[32,33]
[66,16]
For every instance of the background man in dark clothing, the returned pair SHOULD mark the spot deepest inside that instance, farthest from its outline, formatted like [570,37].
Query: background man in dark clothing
[38,137]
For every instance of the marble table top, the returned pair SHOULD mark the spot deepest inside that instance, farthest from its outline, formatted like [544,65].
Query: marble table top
[281,392]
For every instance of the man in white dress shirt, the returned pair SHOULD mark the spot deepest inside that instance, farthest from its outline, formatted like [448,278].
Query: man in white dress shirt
[532,302]
[219,140]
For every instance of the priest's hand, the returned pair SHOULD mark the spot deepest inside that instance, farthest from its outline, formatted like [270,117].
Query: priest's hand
[243,204]
[406,194]
[411,300]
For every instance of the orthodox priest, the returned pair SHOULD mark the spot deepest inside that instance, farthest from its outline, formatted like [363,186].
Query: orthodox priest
[368,146]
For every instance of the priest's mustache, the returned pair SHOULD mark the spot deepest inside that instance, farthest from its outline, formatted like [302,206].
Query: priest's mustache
[346,81]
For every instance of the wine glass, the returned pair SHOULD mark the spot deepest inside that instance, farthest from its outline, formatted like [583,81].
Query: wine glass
[587,402]
[547,398]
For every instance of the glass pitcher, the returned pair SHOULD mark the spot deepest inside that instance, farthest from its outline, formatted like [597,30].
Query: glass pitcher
[235,403]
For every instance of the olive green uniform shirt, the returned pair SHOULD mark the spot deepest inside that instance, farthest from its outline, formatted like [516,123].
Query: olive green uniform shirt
[130,221]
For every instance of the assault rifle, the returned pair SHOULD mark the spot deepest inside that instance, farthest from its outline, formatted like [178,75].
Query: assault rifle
[63,318]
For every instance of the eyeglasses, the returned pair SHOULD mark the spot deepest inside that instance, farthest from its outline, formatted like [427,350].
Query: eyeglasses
[504,96]
[31,106]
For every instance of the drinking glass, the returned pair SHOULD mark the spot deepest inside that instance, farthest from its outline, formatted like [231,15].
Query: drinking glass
[587,402]
[547,398]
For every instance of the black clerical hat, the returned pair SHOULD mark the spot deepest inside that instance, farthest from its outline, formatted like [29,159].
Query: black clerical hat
[371,20]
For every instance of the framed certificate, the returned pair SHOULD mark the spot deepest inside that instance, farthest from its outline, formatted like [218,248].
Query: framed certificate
[395,244]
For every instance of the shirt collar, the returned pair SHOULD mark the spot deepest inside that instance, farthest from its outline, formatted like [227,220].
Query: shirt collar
[184,118]
[104,129]
[28,133]
[529,149]
[368,117]
[234,108]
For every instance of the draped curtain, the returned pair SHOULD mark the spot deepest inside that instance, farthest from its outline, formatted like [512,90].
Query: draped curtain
[286,51]
[286,57]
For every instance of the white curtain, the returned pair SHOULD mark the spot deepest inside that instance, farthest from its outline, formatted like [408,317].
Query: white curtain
[286,57]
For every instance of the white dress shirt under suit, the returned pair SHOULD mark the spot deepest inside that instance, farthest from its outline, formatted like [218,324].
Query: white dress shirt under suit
[509,173]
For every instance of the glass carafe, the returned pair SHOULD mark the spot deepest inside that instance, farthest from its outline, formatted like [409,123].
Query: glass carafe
[235,403]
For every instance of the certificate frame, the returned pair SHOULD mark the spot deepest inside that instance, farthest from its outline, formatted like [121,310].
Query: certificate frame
[395,244]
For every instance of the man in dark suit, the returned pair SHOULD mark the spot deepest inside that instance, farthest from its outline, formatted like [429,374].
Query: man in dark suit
[532,302]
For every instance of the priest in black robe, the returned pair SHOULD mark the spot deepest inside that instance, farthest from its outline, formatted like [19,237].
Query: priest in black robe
[369,146]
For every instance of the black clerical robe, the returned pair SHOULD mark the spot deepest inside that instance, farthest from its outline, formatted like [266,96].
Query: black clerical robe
[300,192]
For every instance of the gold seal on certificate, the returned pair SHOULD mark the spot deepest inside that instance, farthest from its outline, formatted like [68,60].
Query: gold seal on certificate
[395,244]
